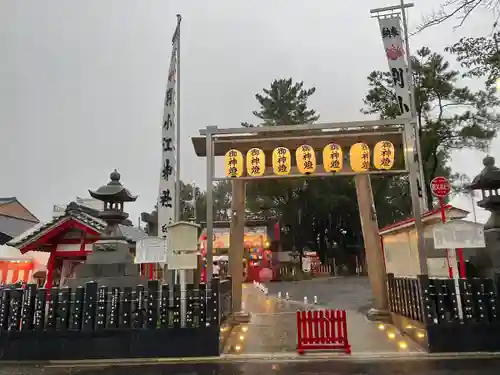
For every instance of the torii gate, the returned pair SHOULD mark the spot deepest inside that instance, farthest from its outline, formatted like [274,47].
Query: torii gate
[214,141]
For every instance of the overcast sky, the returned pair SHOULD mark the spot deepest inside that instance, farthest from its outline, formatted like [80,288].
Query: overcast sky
[82,83]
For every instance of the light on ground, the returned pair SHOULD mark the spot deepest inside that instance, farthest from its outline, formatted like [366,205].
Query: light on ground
[391,335]
[242,337]
[381,327]
[244,328]
[402,345]
[420,335]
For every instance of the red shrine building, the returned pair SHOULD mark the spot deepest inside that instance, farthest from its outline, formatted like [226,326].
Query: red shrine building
[67,239]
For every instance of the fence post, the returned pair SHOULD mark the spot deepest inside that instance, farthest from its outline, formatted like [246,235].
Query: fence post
[202,298]
[417,301]
[452,294]
[214,307]
[15,310]
[165,301]
[89,306]
[138,312]
[427,294]
[27,314]
[102,303]
[189,305]
[152,315]
[390,291]
[491,300]
[478,299]
[229,297]
[4,309]
[63,309]
[40,303]
[77,310]
[114,308]
[126,308]
[52,306]
[176,309]
[468,304]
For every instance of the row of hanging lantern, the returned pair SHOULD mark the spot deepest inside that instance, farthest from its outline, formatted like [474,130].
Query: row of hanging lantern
[359,157]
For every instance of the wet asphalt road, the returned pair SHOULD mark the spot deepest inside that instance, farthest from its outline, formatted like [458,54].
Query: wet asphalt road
[335,367]
[349,293]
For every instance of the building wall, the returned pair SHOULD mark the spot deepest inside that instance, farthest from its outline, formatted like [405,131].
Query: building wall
[401,254]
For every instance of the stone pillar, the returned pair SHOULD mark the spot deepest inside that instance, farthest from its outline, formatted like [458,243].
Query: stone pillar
[373,250]
[236,239]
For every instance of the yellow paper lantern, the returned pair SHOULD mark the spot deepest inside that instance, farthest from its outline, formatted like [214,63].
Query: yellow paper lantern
[306,159]
[332,158]
[359,156]
[383,155]
[256,162]
[282,161]
[233,163]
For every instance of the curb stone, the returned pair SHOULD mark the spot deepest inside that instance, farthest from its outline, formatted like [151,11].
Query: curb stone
[269,357]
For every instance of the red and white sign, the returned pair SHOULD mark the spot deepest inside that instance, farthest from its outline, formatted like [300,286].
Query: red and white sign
[440,187]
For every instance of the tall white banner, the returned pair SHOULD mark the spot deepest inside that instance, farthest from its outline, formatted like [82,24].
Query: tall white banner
[166,198]
[390,29]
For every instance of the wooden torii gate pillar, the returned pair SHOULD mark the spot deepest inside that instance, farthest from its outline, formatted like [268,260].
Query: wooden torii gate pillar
[373,249]
[236,250]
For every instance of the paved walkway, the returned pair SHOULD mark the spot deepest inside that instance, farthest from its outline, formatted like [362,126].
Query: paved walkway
[272,329]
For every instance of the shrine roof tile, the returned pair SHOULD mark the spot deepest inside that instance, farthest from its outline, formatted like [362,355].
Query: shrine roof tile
[13,226]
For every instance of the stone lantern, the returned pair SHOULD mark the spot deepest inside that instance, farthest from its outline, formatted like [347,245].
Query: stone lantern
[111,262]
[488,183]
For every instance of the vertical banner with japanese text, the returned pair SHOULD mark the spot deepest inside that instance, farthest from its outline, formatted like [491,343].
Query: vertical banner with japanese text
[394,48]
[390,28]
[166,197]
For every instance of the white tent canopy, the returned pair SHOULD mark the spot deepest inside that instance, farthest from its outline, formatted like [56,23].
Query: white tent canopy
[11,253]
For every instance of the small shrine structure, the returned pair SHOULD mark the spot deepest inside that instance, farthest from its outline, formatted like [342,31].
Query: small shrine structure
[69,239]
[399,246]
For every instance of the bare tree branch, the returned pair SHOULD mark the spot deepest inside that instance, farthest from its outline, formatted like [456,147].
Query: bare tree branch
[459,10]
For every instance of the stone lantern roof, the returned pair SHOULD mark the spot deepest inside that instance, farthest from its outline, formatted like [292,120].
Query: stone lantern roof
[113,194]
[114,191]
[489,178]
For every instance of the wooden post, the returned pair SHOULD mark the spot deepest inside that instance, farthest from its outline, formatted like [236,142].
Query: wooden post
[236,239]
[373,250]
[50,271]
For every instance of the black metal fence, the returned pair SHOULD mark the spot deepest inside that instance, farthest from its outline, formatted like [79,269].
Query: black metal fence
[435,305]
[101,316]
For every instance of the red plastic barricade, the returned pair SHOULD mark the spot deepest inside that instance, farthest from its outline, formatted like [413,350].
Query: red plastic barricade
[322,330]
